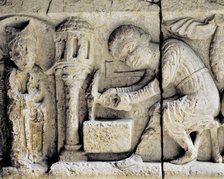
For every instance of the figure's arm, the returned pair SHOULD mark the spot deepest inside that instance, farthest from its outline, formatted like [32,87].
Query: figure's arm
[146,93]
[13,91]
[39,96]
[136,86]
[40,89]
[123,101]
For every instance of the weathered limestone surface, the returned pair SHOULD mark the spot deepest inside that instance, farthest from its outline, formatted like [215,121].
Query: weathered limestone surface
[200,25]
[104,170]
[103,136]
[111,89]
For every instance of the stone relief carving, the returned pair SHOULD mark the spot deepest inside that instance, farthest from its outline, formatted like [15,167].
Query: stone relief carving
[215,51]
[181,115]
[58,109]
[74,57]
[191,28]
[214,28]
[31,107]
[28,92]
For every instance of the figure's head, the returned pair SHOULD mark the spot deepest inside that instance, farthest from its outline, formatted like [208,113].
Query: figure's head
[23,52]
[133,46]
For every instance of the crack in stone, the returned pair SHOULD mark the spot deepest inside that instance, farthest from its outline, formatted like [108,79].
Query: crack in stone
[49,5]
[161,90]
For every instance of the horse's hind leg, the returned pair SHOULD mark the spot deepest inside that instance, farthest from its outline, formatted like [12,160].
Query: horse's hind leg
[186,143]
[213,127]
[197,141]
[215,144]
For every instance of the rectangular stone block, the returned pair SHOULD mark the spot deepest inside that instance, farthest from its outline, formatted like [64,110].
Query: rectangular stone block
[107,136]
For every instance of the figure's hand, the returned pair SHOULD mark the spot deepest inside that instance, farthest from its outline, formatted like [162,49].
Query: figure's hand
[124,102]
[109,98]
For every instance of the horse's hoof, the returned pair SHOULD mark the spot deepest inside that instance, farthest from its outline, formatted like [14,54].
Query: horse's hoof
[218,158]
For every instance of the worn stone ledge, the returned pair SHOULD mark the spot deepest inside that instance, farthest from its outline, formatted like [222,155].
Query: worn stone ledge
[108,170]
[194,170]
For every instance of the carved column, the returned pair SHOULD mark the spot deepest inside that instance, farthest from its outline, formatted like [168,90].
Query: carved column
[72,103]
[74,59]
[73,77]
[60,107]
